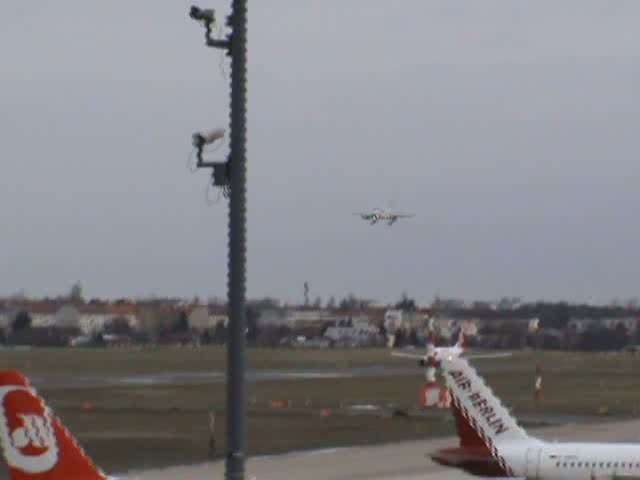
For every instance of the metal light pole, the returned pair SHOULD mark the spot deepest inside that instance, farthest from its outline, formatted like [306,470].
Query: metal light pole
[236,386]
[232,177]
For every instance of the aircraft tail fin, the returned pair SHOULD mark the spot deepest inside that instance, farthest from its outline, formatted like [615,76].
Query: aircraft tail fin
[460,342]
[484,424]
[35,444]
[478,408]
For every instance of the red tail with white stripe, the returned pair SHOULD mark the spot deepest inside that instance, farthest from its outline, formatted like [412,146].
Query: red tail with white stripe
[35,444]
[486,429]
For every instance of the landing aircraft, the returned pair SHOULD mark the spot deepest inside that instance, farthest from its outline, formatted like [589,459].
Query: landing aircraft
[492,444]
[383,215]
[455,350]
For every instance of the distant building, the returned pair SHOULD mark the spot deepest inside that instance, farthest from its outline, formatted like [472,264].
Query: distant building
[412,320]
[204,318]
[43,314]
[95,317]
[275,317]
[126,310]
[46,313]
[580,325]
[294,318]
[301,316]
[198,317]
[359,332]
[218,315]
[446,327]
[629,323]
[67,317]
[376,314]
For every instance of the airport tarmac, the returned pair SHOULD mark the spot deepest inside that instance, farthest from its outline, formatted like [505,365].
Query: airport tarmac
[59,380]
[183,378]
[405,460]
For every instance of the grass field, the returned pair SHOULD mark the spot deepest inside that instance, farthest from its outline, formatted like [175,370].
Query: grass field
[139,437]
[158,425]
[574,383]
[174,359]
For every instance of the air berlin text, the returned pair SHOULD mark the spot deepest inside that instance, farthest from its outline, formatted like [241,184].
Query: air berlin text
[479,403]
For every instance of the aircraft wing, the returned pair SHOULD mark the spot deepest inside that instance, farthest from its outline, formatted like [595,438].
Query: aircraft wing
[408,355]
[403,215]
[488,355]
[470,356]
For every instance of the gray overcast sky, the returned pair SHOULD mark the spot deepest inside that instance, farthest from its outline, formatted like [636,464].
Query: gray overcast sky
[509,128]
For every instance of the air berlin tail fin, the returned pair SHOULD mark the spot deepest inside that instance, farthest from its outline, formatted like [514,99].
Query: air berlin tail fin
[35,444]
[485,426]
[477,408]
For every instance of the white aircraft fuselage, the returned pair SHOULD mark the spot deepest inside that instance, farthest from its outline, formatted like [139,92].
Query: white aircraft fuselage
[569,461]
[492,444]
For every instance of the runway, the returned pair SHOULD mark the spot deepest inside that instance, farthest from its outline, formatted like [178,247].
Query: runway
[214,377]
[59,380]
[406,460]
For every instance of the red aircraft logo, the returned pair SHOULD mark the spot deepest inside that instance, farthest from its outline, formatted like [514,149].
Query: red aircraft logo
[26,431]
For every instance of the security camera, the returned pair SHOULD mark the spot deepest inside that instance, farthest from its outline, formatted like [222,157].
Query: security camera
[207,16]
[206,138]
[204,15]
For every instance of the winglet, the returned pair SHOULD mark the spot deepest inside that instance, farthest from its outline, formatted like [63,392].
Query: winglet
[35,444]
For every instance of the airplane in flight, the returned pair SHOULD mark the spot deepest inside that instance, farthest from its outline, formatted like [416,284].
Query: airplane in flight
[456,350]
[492,444]
[378,214]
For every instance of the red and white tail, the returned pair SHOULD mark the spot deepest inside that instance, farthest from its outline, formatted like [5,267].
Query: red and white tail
[484,412]
[484,423]
[35,444]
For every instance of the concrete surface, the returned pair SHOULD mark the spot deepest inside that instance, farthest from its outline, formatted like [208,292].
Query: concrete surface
[406,460]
